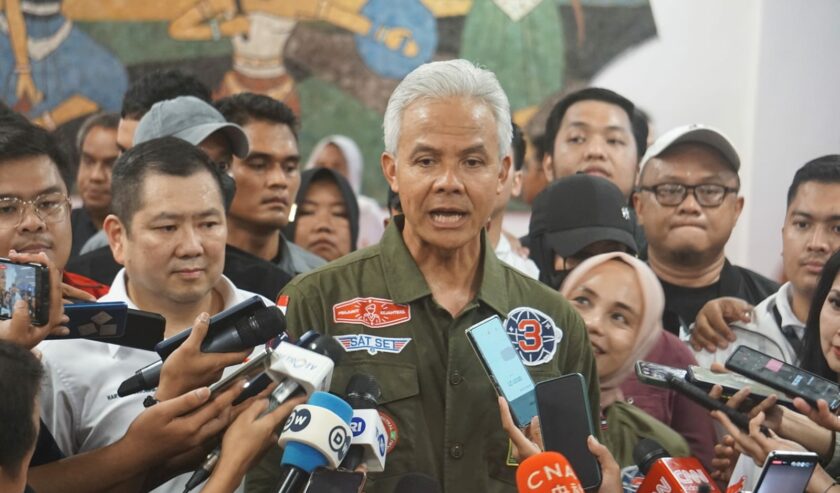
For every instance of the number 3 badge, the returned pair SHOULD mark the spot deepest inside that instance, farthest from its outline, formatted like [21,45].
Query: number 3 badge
[533,334]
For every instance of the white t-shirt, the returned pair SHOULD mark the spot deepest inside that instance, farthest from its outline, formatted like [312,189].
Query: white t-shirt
[518,262]
[79,402]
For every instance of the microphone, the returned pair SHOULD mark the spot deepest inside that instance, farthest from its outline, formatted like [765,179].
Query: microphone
[324,346]
[316,434]
[547,472]
[245,333]
[369,443]
[415,482]
[665,473]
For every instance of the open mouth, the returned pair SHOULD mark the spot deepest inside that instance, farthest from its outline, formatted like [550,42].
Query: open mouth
[448,216]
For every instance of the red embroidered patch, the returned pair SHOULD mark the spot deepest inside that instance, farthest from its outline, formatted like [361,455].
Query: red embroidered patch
[390,430]
[371,312]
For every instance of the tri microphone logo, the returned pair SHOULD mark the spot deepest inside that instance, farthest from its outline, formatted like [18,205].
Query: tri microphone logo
[99,325]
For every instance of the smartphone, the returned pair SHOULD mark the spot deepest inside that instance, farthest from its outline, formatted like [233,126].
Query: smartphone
[29,282]
[249,369]
[781,376]
[699,396]
[732,383]
[566,423]
[96,321]
[786,472]
[143,330]
[656,374]
[502,364]
[325,480]
[218,322]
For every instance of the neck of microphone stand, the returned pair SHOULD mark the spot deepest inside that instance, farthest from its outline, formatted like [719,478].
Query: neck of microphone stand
[294,479]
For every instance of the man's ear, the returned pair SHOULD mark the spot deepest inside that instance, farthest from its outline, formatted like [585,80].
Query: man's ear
[548,167]
[636,198]
[116,232]
[507,167]
[516,190]
[389,170]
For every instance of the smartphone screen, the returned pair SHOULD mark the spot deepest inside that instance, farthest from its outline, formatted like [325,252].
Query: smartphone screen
[23,282]
[566,424]
[325,480]
[732,383]
[784,377]
[505,369]
[786,472]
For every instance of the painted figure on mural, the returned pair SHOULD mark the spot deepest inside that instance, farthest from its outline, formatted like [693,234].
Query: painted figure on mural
[49,69]
[391,37]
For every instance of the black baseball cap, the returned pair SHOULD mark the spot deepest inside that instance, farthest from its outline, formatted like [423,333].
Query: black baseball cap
[578,210]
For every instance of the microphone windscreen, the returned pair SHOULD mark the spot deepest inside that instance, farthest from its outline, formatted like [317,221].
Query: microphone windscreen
[415,482]
[304,456]
[363,391]
[327,346]
[547,472]
[646,452]
[266,323]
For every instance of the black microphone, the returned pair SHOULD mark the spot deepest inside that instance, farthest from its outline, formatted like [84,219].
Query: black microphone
[245,333]
[415,482]
[362,392]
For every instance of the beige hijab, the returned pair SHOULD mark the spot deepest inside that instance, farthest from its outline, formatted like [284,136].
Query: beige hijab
[650,329]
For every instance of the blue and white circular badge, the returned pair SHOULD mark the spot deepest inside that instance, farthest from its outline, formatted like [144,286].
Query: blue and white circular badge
[533,334]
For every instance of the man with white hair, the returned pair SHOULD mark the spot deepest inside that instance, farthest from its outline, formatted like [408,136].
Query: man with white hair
[434,275]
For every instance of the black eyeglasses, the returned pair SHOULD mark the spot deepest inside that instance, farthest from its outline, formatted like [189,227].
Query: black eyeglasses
[673,194]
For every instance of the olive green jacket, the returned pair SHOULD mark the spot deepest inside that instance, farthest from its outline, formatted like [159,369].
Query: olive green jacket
[439,405]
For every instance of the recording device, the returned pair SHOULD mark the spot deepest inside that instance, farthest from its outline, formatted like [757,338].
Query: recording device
[566,424]
[665,473]
[325,480]
[238,317]
[256,364]
[310,374]
[655,374]
[731,383]
[369,441]
[113,322]
[263,325]
[546,472]
[29,282]
[415,482]
[739,419]
[502,364]
[786,472]
[316,434]
[781,376]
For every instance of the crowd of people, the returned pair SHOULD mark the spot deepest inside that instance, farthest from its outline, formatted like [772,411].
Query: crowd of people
[189,206]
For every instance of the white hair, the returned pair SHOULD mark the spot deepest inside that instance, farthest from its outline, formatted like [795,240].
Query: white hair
[451,78]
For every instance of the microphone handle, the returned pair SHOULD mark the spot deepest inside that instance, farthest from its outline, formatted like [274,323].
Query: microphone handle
[294,479]
[226,342]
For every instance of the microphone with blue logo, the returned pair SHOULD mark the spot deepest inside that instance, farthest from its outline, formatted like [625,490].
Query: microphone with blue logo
[369,440]
[316,434]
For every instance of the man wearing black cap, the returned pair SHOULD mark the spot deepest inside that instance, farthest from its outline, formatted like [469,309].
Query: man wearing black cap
[575,218]
[688,204]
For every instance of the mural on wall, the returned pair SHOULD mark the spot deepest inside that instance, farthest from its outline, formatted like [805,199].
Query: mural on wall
[335,62]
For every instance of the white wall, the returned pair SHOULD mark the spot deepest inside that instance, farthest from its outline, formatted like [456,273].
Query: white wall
[763,72]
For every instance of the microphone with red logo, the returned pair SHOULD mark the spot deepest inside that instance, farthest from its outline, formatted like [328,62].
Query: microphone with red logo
[547,472]
[672,474]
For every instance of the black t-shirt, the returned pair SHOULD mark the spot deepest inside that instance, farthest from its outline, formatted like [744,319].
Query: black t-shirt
[682,304]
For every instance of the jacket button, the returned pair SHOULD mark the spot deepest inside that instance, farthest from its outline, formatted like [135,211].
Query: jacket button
[455,378]
[456,451]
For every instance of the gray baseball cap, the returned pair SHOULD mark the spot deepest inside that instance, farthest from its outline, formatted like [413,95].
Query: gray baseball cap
[190,119]
[698,133]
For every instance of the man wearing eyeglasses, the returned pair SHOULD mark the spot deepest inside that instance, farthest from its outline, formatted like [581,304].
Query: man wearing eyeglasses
[688,204]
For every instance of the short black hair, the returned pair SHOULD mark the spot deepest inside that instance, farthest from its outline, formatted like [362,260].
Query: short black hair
[824,169]
[20,383]
[99,120]
[160,85]
[538,141]
[246,106]
[518,147]
[169,156]
[20,139]
[552,125]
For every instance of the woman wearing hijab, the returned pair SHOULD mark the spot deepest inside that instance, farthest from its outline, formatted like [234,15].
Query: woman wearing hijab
[326,220]
[621,303]
[341,154]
